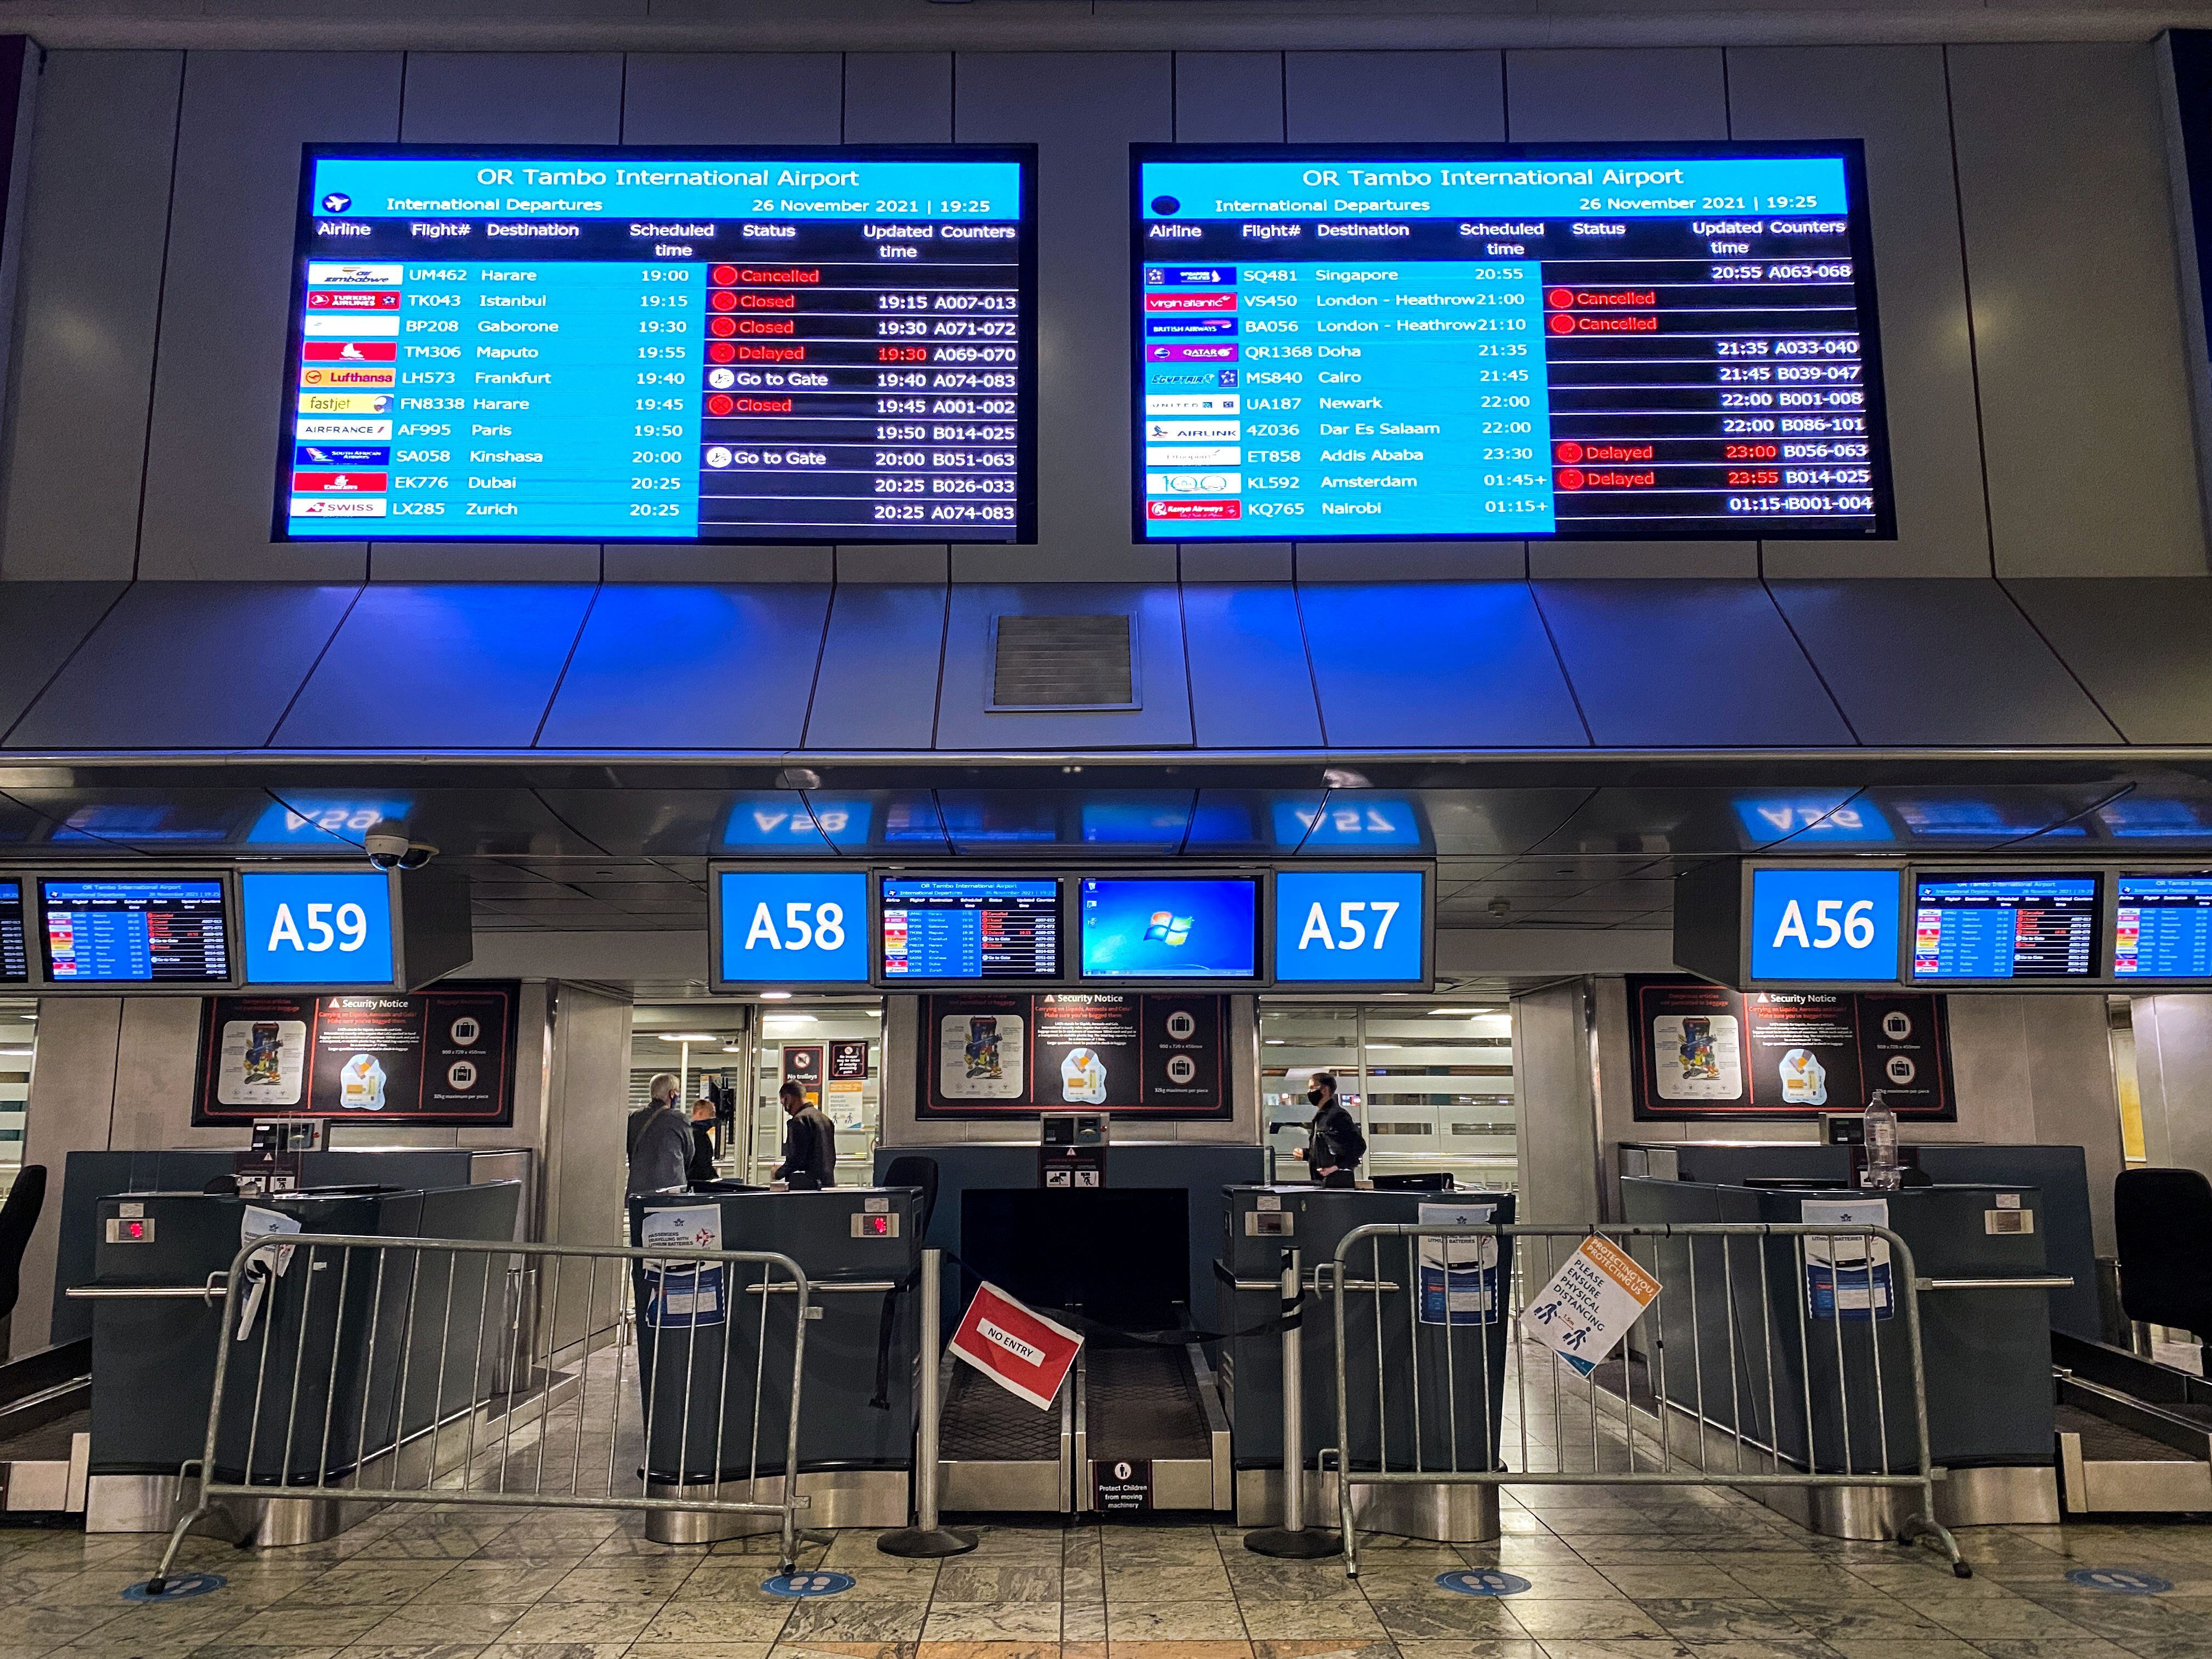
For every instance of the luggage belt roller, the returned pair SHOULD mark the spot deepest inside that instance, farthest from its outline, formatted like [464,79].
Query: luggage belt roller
[2134,1435]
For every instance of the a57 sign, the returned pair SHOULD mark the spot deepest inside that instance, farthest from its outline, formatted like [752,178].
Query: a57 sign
[1352,926]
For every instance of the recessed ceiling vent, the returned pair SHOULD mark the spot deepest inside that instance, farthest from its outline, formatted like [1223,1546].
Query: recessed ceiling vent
[1062,662]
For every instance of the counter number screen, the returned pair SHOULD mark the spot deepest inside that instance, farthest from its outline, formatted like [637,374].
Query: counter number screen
[1422,343]
[2028,926]
[1170,929]
[136,933]
[2162,927]
[639,344]
[14,939]
[955,930]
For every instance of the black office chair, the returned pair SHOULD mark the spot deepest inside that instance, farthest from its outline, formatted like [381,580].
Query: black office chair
[2162,1220]
[18,1217]
[911,1169]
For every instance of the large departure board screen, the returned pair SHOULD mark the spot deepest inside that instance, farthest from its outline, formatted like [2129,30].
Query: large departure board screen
[2000,927]
[174,931]
[1430,343]
[702,345]
[952,928]
[2162,927]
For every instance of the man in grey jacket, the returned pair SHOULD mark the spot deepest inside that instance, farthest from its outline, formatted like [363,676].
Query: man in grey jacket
[659,1140]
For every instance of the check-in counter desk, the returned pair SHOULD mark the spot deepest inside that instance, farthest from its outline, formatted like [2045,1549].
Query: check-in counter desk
[1398,1371]
[1775,1365]
[700,1342]
[2060,1174]
[336,1333]
[88,1177]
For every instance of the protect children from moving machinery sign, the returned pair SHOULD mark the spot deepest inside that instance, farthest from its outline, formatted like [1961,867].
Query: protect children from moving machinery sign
[1011,1054]
[440,1056]
[1700,1051]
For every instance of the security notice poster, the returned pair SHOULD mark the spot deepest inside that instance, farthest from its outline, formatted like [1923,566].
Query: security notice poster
[1700,1051]
[440,1056]
[1012,1055]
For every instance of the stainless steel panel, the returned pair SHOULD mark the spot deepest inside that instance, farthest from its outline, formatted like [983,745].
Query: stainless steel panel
[898,97]
[1229,97]
[1895,98]
[835,1497]
[1157,640]
[2087,423]
[455,667]
[1950,662]
[682,667]
[1250,686]
[1458,666]
[692,822]
[504,98]
[218,417]
[1686,664]
[40,624]
[89,296]
[878,683]
[249,644]
[732,98]
[1411,562]
[1660,821]
[1650,94]
[2136,644]
[1083,110]
[171,821]
[1386,97]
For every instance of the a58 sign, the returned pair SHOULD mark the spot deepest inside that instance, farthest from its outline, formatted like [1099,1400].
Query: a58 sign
[1352,926]
[792,927]
[1824,925]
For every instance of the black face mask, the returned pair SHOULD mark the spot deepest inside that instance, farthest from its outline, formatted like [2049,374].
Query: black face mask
[1314,1097]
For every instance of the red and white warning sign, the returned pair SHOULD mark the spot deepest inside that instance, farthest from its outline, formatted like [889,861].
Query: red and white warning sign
[1020,1350]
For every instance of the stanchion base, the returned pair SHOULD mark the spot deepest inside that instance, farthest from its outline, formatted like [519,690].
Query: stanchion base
[1307,1544]
[925,1543]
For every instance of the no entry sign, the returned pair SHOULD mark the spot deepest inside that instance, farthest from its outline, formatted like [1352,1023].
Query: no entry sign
[1020,1350]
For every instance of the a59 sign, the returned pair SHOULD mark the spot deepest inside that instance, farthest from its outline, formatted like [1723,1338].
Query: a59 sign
[792,927]
[1824,925]
[317,927]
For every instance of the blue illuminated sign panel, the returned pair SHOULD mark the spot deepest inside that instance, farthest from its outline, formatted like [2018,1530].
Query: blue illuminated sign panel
[317,927]
[1814,927]
[2163,927]
[792,927]
[1170,927]
[1350,927]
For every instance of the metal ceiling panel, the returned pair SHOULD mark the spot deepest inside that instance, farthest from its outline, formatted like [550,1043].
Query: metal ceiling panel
[462,666]
[248,645]
[694,822]
[2138,643]
[460,823]
[1668,664]
[1658,822]
[685,668]
[168,821]
[1250,684]
[1493,823]
[1934,821]
[1437,665]
[1944,662]
[1162,721]
[40,623]
[877,684]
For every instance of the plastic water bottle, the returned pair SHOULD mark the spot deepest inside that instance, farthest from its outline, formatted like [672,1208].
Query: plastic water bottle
[1882,1172]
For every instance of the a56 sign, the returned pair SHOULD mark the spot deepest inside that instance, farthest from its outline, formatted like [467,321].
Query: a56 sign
[1824,925]
[792,927]
[1351,927]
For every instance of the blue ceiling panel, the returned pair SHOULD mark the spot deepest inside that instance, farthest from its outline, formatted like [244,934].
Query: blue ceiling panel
[1454,665]
[2138,643]
[1250,684]
[691,668]
[468,666]
[1938,662]
[237,652]
[1682,663]
[877,686]
[40,623]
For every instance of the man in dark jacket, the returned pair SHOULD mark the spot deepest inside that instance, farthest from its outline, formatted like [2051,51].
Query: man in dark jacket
[659,1140]
[701,1168]
[810,1144]
[1336,1145]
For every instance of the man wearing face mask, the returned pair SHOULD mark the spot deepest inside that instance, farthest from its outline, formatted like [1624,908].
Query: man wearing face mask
[1337,1145]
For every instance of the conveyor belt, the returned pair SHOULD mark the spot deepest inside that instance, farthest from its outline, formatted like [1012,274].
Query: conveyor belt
[983,1422]
[1141,1404]
[47,1442]
[2109,1442]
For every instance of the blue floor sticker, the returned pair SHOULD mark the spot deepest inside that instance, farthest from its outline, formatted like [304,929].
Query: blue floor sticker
[2120,1581]
[800,1585]
[181,1588]
[1483,1580]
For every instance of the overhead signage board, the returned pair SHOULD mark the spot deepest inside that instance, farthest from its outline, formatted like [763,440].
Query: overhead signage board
[324,927]
[788,929]
[1352,926]
[716,344]
[1824,923]
[2162,928]
[170,933]
[1996,927]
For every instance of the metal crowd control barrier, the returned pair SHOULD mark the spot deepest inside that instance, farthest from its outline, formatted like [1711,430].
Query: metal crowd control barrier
[371,1370]
[1836,1397]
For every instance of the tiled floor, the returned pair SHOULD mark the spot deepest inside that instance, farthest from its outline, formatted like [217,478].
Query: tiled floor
[1648,1575]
